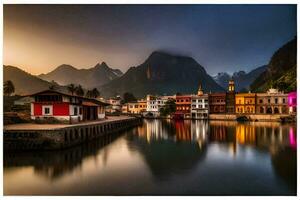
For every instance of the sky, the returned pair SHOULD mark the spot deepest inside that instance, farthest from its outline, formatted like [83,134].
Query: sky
[222,38]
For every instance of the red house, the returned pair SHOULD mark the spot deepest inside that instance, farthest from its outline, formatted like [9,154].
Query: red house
[66,107]
[183,106]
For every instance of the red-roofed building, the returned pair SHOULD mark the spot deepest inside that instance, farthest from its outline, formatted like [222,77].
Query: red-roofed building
[65,107]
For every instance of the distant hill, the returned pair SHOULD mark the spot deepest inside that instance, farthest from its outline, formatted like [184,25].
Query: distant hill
[88,78]
[242,79]
[162,73]
[24,82]
[281,72]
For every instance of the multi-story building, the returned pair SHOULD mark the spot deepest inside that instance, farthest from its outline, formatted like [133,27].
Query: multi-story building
[272,102]
[183,106]
[152,105]
[230,98]
[292,102]
[245,103]
[155,103]
[138,107]
[217,103]
[115,105]
[199,105]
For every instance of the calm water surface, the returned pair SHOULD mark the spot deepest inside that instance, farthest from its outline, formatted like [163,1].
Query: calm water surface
[165,158]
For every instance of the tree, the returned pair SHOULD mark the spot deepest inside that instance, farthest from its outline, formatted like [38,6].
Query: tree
[8,88]
[128,97]
[72,88]
[168,108]
[89,94]
[53,85]
[95,93]
[79,91]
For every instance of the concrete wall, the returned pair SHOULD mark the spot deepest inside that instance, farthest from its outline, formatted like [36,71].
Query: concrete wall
[63,137]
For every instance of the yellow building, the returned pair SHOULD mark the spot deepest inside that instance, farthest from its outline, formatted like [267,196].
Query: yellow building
[245,102]
[137,107]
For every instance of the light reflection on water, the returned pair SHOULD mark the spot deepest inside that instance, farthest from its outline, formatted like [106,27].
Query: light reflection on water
[167,158]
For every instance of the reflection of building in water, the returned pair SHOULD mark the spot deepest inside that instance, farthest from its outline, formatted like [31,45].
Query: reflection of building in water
[182,130]
[269,136]
[156,130]
[55,164]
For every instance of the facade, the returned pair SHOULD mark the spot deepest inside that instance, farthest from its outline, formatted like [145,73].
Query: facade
[199,105]
[65,107]
[183,106]
[217,103]
[292,103]
[230,98]
[125,108]
[245,103]
[154,103]
[272,102]
[138,107]
[115,105]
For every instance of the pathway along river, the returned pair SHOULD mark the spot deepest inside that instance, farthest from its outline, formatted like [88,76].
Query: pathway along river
[163,157]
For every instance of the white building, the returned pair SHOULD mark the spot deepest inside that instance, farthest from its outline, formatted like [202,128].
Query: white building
[199,105]
[154,103]
[115,105]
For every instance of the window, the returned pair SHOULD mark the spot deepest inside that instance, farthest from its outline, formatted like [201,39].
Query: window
[283,100]
[269,100]
[75,110]
[260,101]
[80,111]
[47,111]
[276,100]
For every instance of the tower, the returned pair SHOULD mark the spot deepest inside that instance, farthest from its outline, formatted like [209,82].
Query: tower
[200,91]
[231,85]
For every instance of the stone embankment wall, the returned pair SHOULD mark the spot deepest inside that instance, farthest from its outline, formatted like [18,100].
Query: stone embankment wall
[251,117]
[63,137]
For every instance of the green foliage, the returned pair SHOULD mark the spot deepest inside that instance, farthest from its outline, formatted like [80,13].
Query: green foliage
[128,97]
[8,88]
[168,108]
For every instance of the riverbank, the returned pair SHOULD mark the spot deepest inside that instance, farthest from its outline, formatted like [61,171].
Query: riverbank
[30,136]
[237,117]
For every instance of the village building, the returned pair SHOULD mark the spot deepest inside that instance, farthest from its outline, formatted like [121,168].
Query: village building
[245,103]
[292,103]
[183,106]
[272,102]
[115,105]
[65,107]
[217,103]
[155,103]
[230,97]
[199,105]
[125,108]
[138,107]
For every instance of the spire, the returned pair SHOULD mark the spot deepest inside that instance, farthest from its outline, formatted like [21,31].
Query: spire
[200,91]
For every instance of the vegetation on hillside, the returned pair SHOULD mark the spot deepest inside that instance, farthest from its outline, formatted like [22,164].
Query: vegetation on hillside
[281,72]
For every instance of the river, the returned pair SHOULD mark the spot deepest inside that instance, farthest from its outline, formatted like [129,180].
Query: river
[165,157]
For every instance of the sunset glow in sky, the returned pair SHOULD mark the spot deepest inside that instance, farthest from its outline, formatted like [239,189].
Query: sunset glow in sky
[38,38]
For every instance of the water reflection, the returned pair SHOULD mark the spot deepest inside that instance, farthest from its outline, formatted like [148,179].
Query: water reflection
[165,157]
[55,164]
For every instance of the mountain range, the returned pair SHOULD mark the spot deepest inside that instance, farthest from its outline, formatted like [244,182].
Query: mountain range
[24,82]
[162,73]
[242,79]
[88,78]
[281,71]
